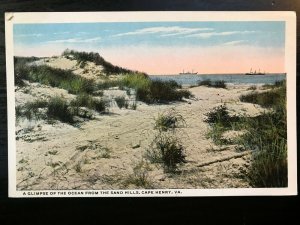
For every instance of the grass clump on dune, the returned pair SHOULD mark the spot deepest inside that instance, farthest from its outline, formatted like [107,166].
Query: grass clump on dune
[265,134]
[83,57]
[271,98]
[59,109]
[53,77]
[85,100]
[169,121]
[215,84]
[167,150]
[121,102]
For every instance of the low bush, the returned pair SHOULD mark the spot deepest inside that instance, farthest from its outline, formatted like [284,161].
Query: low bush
[169,121]
[215,84]
[58,109]
[265,134]
[167,150]
[265,99]
[121,102]
[140,176]
[31,110]
[85,100]
[54,77]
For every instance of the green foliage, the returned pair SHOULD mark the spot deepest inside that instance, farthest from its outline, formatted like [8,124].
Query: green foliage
[169,121]
[166,149]
[85,100]
[83,57]
[266,135]
[156,91]
[121,102]
[58,109]
[267,99]
[140,176]
[215,84]
[219,115]
[54,77]
[269,166]
[31,110]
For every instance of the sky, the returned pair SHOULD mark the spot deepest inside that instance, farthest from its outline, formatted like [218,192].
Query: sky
[164,47]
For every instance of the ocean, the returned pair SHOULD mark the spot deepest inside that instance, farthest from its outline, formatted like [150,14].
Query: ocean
[228,78]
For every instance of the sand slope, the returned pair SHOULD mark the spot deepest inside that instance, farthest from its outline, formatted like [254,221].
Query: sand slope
[102,153]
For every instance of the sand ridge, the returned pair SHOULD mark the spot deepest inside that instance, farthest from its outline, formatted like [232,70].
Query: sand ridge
[102,153]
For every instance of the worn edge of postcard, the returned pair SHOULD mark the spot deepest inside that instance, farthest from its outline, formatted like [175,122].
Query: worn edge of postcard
[67,17]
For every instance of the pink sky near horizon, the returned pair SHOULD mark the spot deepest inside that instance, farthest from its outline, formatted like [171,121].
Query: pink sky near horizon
[227,59]
[172,60]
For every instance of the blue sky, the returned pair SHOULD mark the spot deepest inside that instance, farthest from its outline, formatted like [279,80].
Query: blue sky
[152,34]
[128,39]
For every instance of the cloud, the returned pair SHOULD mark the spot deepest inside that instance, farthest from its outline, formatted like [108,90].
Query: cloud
[164,31]
[232,43]
[225,33]
[28,35]
[76,40]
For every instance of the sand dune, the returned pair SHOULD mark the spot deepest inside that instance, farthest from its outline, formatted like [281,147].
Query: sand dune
[102,153]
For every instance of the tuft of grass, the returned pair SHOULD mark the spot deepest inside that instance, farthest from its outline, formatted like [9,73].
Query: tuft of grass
[265,99]
[156,91]
[121,102]
[166,149]
[134,106]
[31,110]
[266,135]
[58,109]
[215,84]
[169,121]
[269,166]
[83,57]
[53,77]
[85,100]
[253,88]
[140,176]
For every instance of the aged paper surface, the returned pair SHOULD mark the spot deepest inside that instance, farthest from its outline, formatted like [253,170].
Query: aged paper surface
[151,104]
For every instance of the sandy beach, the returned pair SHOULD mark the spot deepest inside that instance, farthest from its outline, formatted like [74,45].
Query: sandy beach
[103,153]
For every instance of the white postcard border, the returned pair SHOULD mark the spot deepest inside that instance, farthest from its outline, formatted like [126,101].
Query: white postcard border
[79,17]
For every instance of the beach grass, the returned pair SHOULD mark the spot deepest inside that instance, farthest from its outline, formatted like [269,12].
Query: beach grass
[169,121]
[58,109]
[121,102]
[265,135]
[85,100]
[53,77]
[166,150]
[84,57]
[215,84]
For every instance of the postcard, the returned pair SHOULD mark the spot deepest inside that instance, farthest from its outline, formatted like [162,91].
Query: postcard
[136,104]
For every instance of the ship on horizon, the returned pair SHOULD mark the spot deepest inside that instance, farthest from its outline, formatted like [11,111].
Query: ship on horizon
[255,73]
[186,73]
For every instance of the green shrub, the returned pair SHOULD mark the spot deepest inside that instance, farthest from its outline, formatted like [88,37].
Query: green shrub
[58,109]
[30,110]
[54,77]
[85,100]
[265,99]
[265,134]
[140,176]
[83,57]
[269,166]
[209,83]
[167,150]
[169,121]
[205,83]
[121,102]
[219,115]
